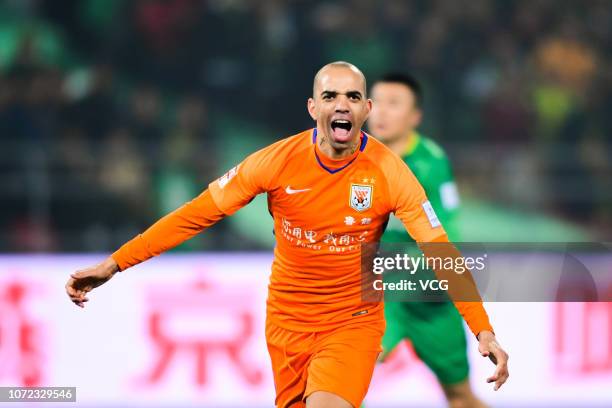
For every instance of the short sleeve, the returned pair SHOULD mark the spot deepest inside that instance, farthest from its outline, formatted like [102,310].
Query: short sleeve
[410,204]
[242,183]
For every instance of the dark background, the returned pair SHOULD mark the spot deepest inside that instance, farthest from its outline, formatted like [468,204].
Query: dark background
[114,112]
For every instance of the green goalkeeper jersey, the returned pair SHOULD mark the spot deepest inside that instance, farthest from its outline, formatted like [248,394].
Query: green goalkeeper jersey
[432,168]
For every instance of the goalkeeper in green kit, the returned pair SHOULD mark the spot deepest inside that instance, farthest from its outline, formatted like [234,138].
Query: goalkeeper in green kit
[434,328]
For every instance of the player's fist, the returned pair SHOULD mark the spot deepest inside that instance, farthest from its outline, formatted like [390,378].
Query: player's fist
[83,281]
[489,347]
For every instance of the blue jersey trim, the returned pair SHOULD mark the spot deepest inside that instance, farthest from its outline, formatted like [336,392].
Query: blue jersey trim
[364,142]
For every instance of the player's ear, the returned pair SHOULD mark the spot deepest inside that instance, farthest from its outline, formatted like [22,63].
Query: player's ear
[368,107]
[311,108]
[417,117]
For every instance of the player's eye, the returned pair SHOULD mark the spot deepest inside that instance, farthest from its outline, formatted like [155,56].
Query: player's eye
[328,97]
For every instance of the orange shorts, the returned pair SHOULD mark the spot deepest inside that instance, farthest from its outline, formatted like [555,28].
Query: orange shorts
[340,361]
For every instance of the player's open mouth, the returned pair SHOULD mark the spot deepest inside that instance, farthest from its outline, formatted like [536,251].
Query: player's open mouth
[341,129]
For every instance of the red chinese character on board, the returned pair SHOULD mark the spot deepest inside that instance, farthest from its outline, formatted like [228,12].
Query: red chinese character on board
[21,356]
[582,338]
[199,321]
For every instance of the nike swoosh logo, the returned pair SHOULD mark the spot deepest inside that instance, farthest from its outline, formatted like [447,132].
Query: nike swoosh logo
[289,190]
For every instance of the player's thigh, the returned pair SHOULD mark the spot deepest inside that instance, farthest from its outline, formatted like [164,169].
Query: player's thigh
[344,362]
[438,337]
[290,355]
[324,399]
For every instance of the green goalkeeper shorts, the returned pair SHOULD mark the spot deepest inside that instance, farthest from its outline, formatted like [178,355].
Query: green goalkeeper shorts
[437,335]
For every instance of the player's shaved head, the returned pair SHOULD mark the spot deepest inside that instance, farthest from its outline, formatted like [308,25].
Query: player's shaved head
[337,65]
[340,107]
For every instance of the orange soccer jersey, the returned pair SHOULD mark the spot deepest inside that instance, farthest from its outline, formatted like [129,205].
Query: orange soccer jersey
[323,210]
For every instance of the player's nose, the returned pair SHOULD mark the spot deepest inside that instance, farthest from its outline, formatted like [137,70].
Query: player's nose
[342,105]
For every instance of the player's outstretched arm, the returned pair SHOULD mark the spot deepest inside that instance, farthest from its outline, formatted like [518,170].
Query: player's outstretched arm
[489,347]
[84,280]
[168,232]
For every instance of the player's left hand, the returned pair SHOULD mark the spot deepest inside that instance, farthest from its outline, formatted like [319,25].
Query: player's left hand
[489,347]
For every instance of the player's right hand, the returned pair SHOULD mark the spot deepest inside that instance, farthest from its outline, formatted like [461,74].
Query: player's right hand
[85,280]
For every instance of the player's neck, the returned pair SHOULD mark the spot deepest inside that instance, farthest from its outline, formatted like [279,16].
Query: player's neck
[337,153]
[399,144]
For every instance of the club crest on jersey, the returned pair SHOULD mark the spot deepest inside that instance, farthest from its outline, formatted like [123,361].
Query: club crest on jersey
[361,197]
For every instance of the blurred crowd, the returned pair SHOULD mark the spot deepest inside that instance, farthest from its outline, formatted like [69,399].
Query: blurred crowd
[110,109]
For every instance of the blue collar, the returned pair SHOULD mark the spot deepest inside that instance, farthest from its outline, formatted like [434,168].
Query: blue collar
[364,142]
[364,139]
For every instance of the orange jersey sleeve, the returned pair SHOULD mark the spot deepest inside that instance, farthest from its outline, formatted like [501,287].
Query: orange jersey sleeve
[473,311]
[169,231]
[225,196]
[242,183]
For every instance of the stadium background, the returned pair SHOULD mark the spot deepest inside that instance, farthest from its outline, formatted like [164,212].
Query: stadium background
[114,112]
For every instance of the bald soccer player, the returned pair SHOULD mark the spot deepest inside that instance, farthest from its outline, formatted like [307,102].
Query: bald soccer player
[330,189]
